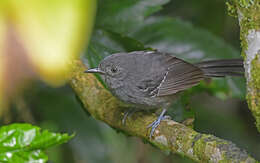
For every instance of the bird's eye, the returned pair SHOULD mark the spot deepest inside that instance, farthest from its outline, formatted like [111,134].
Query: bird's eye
[113,69]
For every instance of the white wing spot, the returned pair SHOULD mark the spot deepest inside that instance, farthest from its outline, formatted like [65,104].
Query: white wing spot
[158,88]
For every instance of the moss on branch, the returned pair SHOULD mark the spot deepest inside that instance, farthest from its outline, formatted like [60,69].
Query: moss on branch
[169,136]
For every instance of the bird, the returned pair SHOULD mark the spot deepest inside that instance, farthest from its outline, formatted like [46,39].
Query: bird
[151,80]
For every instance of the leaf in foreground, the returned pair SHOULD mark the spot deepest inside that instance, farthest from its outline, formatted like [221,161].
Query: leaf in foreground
[25,143]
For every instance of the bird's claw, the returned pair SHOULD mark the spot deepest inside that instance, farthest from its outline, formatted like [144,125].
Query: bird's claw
[127,114]
[157,122]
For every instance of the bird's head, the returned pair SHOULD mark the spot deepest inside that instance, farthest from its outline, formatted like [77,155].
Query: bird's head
[113,69]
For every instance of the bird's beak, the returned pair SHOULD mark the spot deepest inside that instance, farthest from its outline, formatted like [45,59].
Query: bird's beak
[95,70]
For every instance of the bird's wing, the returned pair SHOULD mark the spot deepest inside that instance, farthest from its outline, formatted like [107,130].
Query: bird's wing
[180,75]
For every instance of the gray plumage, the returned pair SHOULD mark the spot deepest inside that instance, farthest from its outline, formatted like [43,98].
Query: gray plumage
[151,79]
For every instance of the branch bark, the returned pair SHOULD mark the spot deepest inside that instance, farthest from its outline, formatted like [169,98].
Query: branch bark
[169,136]
[248,13]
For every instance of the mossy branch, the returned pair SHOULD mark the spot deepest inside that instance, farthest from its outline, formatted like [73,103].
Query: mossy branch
[248,13]
[169,136]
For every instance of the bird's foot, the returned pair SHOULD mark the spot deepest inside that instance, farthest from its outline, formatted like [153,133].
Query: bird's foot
[157,122]
[127,114]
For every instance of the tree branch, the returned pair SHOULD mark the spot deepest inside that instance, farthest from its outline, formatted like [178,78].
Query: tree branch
[248,13]
[169,136]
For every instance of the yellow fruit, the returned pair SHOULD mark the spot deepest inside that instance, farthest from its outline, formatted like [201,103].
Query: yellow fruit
[40,38]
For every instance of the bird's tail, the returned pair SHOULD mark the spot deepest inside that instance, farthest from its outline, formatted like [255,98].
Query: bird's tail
[222,68]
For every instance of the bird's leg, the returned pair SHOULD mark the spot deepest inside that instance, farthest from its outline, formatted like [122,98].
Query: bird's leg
[156,123]
[128,113]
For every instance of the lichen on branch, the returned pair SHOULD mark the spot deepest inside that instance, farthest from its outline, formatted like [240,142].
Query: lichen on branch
[253,95]
[248,13]
[169,136]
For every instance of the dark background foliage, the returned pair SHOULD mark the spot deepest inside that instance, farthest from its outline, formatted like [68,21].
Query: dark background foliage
[192,30]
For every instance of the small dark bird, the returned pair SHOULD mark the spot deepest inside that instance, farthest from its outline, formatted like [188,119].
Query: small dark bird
[152,79]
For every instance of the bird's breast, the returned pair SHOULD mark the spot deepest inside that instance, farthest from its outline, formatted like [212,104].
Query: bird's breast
[132,96]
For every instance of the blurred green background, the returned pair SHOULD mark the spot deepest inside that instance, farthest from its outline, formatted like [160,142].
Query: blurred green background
[219,108]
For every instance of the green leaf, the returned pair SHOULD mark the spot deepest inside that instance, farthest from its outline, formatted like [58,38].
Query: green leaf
[124,15]
[105,43]
[21,143]
[182,39]
[114,20]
